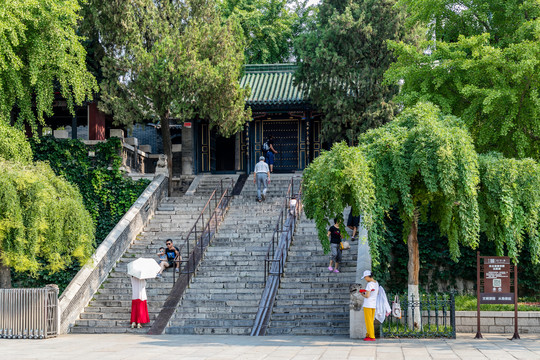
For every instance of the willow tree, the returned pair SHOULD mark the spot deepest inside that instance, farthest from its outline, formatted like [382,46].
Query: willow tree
[425,162]
[43,222]
[40,54]
[167,60]
[509,200]
[334,180]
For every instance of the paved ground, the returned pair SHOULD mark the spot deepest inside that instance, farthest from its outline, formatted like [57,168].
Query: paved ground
[191,347]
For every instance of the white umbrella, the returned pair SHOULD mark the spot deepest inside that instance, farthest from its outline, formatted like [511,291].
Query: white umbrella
[143,268]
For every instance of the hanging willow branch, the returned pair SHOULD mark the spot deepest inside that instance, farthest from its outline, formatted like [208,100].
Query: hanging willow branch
[335,180]
[510,202]
[41,215]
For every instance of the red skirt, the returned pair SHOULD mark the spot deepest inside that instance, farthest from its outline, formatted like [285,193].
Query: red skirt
[139,312]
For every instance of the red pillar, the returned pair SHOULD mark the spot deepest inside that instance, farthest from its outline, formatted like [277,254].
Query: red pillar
[96,123]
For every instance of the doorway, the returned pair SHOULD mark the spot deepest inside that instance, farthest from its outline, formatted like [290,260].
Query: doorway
[224,151]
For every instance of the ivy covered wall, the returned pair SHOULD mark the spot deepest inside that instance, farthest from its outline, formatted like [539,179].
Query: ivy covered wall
[107,194]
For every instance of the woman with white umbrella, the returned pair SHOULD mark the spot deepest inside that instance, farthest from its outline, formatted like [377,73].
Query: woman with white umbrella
[140,270]
[139,307]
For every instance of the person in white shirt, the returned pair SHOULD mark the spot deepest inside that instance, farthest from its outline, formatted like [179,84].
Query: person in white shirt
[261,177]
[370,304]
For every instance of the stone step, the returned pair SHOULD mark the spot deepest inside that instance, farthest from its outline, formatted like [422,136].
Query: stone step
[227,323]
[108,330]
[311,300]
[112,316]
[192,330]
[181,315]
[110,309]
[222,297]
[315,331]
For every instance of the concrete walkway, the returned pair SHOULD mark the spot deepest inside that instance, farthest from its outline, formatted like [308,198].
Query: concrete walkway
[191,347]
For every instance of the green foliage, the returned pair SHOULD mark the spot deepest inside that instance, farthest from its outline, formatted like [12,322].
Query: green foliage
[341,61]
[179,59]
[267,26]
[510,201]
[334,180]
[13,144]
[448,19]
[424,160]
[106,193]
[484,69]
[468,303]
[43,222]
[436,267]
[40,53]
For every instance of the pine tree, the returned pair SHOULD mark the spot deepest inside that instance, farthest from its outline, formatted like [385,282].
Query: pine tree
[342,59]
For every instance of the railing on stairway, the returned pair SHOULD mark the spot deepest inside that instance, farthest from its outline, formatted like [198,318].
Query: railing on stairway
[195,244]
[274,263]
[204,228]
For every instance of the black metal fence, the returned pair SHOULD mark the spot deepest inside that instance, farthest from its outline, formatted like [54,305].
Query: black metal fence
[430,316]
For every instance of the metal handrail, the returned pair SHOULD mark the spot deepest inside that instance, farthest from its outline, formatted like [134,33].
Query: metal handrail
[277,256]
[201,239]
[274,263]
[200,234]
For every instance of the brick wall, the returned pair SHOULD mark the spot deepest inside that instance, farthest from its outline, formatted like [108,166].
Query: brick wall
[498,322]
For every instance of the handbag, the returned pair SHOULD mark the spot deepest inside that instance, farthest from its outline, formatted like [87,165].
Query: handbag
[344,245]
[396,308]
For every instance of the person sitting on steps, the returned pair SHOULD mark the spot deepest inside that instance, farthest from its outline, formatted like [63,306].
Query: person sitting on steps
[173,258]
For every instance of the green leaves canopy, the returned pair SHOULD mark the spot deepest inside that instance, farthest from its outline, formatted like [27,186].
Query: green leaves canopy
[486,70]
[13,144]
[494,90]
[341,62]
[43,222]
[267,26]
[334,180]
[40,53]
[41,215]
[509,198]
[421,161]
[178,60]
[424,160]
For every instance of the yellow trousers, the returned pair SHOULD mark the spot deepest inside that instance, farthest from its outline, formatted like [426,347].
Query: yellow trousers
[369,316]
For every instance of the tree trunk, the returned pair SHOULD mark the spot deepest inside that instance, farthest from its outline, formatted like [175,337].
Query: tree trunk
[167,146]
[5,276]
[413,267]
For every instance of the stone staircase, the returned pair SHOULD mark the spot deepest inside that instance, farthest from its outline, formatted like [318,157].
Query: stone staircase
[225,293]
[311,300]
[110,309]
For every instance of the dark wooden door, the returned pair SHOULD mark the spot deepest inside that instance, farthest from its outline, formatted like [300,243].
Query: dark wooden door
[286,139]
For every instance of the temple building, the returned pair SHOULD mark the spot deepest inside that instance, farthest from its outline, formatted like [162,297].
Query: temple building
[280,109]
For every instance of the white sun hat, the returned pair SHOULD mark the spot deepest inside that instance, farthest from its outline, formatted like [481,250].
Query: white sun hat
[366,273]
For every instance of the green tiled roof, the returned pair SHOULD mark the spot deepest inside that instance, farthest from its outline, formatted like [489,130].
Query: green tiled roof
[272,85]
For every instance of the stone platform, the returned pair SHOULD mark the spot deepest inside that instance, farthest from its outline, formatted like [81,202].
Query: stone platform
[191,347]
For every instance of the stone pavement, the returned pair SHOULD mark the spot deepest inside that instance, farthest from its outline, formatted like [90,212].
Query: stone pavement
[195,347]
